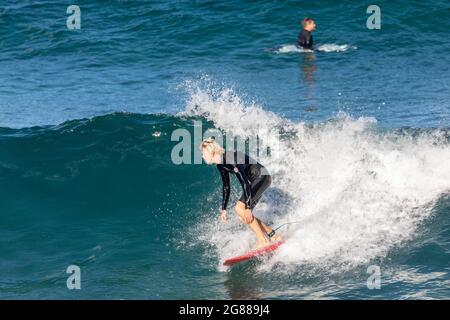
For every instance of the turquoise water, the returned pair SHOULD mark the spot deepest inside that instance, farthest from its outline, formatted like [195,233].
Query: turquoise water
[359,131]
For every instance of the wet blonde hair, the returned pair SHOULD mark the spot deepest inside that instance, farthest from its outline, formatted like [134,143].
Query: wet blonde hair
[307,21]
[211,146]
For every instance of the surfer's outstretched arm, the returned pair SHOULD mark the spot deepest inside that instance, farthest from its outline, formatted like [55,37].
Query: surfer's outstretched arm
[225,187]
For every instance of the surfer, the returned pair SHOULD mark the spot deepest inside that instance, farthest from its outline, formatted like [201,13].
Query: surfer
[305,39]
[254,180]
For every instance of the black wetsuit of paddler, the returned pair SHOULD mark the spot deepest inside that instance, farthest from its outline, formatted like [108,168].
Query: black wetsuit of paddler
[305,39]
[252,176]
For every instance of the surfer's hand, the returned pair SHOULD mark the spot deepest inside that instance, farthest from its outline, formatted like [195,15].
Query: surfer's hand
[223,215]
[248,216]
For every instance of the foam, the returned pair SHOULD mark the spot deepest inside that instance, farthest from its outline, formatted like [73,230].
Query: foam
[330,47]
[357,191]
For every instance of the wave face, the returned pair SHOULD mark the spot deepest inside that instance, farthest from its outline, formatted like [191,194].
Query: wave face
[103,193]
[86,175]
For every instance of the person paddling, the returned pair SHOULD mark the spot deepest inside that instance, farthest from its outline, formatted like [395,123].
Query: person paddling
[305,39]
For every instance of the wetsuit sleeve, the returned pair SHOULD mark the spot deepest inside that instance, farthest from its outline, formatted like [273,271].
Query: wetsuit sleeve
[300,39]
[225,187]
[246,185]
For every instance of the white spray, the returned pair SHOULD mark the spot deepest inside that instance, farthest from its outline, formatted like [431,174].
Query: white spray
[359,192]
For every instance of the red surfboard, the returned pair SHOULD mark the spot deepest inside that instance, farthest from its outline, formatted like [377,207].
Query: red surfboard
[253,254]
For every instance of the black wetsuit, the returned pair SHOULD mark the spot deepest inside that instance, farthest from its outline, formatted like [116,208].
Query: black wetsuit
[253,177]
[305,39]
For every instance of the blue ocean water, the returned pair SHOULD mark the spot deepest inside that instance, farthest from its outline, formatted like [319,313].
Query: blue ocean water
[86,173]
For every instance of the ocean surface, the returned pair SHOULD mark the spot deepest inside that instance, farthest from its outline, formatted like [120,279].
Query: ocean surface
[359,133]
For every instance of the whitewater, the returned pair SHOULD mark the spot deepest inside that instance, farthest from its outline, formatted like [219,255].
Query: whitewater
[358,192]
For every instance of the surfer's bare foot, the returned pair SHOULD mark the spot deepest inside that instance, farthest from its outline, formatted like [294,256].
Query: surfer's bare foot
[262,244]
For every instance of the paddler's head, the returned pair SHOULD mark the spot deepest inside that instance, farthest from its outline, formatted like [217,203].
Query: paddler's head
[308,24]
